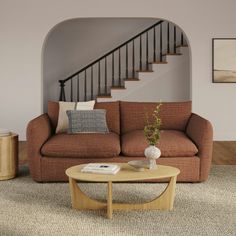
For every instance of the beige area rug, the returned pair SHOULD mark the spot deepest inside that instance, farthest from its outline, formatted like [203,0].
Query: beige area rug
[29,208]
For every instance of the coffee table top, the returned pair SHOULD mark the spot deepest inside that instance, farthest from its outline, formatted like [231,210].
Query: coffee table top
[126,173]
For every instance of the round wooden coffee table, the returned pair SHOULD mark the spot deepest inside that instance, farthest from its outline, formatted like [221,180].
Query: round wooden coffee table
[80,201]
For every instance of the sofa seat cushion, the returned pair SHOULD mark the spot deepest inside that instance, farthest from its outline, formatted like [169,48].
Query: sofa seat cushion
[84,145]
[172,144]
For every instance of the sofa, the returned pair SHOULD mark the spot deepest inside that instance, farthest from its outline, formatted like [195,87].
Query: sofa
[186,140]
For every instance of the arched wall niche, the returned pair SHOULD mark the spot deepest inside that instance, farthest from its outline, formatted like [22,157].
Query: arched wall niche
[72,44]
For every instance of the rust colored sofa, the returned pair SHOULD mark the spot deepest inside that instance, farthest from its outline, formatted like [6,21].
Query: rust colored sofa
[186,141]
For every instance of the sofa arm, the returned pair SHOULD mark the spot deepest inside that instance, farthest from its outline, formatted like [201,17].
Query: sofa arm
[201,132]
[38,132]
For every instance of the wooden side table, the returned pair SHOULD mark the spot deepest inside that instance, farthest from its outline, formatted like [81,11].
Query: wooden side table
[8,156]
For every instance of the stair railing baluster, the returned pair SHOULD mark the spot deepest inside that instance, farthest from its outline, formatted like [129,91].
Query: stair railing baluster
[168,37]
[133,60]
[85,86]
[140,52]
[161,53]
[119,69]
[154,44]
[113,77]
[99,77]
[127,66]
[105,75]
[71,90]
[62,91]
[182,38]
[91,82]
[174,39]
[78,88]
[147,50]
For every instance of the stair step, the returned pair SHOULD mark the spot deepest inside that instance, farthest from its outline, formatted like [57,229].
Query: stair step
[104,96]
[158,62]
[144,71]
[118,87]
[172,54]
[132,79]
[179,46]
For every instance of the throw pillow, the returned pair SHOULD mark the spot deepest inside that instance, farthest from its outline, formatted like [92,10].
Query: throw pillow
[85,105]
[62,124]
[93,121]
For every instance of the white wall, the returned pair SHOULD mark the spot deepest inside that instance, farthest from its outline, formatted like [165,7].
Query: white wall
[24,25]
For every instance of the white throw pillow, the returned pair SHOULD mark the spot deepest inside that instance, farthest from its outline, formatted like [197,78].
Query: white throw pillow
[63,123]
[85,105]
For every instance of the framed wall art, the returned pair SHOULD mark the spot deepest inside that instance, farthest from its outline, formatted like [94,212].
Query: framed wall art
[224,60]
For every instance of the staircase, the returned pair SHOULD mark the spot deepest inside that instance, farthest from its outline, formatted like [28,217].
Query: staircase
[127,69]
[155,85]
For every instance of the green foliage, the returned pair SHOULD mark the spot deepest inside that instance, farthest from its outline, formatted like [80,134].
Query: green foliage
[152,130]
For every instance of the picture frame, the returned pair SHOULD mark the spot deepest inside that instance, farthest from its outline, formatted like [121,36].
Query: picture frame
[224,60]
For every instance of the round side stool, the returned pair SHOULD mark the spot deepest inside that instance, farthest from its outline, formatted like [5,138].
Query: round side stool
[8,156]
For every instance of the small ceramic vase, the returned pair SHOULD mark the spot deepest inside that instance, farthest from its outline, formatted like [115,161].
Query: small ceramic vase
[152,153]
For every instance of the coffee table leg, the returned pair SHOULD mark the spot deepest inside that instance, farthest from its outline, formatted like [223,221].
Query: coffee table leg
[81,201]
[164,201]
[170,195]
[74,193]
[109,200]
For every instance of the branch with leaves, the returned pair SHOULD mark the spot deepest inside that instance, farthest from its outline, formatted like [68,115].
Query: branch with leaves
[152,130]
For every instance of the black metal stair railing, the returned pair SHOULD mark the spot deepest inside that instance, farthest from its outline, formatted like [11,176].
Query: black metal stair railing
[135,60]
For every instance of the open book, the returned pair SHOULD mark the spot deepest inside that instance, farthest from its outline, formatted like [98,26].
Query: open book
[101,168]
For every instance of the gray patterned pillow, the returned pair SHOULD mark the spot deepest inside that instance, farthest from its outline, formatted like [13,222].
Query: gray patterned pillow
[87,121]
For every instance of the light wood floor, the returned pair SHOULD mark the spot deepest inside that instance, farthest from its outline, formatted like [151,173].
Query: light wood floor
[23,159]
[224,153]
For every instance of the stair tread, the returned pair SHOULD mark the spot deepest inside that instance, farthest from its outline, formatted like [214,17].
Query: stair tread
[132,79]
[158,62]
[145,71]
[118,87]
[179,46]
[104,96]
[172,54]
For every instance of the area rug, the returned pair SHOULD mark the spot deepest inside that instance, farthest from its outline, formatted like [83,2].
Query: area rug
[29,208]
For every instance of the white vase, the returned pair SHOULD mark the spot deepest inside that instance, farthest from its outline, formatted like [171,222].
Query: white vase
[152,153]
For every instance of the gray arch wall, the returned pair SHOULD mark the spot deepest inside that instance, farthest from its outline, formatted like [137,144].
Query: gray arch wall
[72,44]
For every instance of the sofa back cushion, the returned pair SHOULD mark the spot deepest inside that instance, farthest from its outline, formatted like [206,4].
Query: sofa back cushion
[53,112]
[112,114]
[174,115]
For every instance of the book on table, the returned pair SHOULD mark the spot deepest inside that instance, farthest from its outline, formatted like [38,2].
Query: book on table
[101,168]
